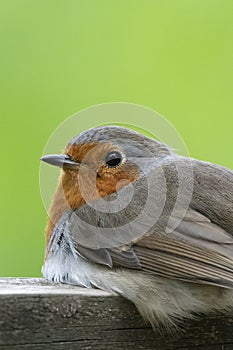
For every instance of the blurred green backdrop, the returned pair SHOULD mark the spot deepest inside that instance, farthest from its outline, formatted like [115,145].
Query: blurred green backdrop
[60,56]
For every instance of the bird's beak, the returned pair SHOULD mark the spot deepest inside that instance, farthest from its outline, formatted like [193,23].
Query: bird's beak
[60,160]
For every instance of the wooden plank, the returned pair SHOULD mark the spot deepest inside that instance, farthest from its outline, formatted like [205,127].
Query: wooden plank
[36,314]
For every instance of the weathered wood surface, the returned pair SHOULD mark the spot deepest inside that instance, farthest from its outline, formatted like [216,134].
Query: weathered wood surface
[37,315]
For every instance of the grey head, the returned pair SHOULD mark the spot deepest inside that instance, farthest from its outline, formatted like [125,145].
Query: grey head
[132,143]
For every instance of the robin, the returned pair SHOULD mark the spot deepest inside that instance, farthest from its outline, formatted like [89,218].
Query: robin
[131,217]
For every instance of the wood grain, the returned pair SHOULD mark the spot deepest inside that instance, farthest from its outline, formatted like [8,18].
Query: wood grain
[36,314]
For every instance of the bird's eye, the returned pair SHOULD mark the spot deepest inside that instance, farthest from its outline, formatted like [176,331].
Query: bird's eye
[113,159]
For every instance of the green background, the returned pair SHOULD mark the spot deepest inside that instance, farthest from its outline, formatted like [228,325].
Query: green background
[59,56]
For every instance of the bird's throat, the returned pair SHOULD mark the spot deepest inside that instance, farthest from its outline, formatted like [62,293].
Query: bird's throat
[67,196]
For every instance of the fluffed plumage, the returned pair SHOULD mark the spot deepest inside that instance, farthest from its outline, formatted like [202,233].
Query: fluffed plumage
[176,258]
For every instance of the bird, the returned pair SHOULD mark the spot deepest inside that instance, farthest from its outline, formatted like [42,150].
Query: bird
[132,217]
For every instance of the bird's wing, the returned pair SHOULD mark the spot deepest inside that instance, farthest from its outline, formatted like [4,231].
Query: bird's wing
[196,251]
[115,256]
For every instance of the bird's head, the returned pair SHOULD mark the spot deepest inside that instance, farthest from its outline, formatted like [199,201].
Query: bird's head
[99,162]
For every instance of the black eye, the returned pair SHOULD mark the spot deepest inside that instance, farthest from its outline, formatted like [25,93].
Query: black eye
[113,159]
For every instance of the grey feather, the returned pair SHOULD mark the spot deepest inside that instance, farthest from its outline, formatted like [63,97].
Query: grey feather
[126,258]
[206,231]
[99,256]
